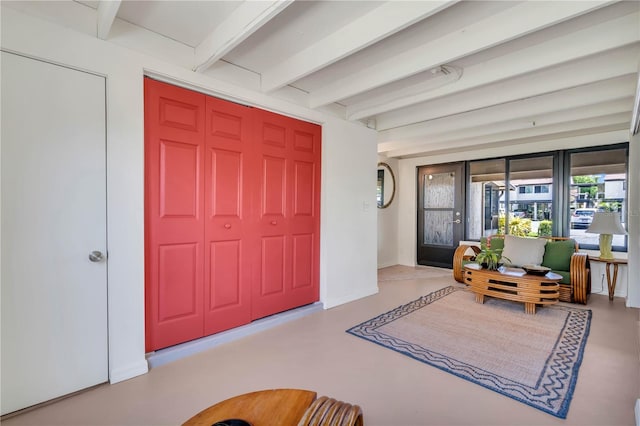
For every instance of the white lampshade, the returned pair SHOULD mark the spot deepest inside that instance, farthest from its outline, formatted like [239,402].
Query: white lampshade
[606,223]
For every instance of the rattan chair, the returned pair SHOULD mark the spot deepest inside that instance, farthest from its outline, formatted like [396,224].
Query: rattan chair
[326,411]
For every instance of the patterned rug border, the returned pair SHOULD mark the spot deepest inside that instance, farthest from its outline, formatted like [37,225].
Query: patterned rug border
[361,330]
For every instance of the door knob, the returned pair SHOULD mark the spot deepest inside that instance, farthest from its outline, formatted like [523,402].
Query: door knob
[456,221]
[96,256]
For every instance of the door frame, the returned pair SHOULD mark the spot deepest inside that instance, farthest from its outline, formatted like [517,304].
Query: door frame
[441,256]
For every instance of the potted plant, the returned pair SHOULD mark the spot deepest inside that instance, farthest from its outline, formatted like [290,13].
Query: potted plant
[490,259]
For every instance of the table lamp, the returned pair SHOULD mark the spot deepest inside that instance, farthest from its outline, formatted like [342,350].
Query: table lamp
[606,224]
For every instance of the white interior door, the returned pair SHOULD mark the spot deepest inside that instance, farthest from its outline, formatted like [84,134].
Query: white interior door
[54,298]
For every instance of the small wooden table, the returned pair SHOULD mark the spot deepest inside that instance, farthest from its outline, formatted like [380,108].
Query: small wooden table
[611,281]
[530,289]
[283,407]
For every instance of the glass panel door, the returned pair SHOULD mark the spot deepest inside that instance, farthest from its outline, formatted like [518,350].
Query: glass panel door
[440,213]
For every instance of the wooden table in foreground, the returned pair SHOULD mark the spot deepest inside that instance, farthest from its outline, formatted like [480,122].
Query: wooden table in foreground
[281,407]
[532,290]
[263,408]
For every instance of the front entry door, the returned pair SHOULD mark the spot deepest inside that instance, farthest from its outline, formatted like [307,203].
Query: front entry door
[440,213]
[54,267]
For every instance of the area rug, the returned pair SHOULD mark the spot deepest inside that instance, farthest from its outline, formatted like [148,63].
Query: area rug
[533,359]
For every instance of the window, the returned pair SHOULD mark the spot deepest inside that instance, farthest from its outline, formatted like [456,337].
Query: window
[485,189]
[532,208]
[548,194]
[598,182]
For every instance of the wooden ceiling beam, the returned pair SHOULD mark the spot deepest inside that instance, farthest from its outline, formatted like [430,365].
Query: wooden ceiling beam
[577,129]
[585,42]
[244,21]
[106,15]
[619,106]
[617,121]
[511,23]
[617,63]
[381,22]
[600,92]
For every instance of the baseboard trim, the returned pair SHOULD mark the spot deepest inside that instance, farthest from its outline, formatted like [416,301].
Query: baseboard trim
[173,353]
[131,371]
[332,303]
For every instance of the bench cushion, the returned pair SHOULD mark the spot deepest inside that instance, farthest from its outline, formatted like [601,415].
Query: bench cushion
[557,254]
[523,250]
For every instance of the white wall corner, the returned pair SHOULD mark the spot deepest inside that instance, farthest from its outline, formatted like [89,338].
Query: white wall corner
[633,225]
[129,371]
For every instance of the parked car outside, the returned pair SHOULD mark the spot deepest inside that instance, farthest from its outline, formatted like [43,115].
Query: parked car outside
[582,218]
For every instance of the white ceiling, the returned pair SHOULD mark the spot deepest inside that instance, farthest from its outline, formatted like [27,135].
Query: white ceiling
[430,76]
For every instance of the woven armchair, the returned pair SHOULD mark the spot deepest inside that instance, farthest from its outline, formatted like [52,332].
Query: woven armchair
[575,289]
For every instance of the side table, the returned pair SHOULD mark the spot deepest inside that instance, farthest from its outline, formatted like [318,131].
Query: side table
[611,281]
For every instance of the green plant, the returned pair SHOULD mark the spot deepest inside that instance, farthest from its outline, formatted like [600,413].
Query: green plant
[520,227]
[490,258]
[544,229]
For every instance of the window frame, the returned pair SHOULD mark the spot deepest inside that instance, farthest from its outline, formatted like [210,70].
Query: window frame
[559,189]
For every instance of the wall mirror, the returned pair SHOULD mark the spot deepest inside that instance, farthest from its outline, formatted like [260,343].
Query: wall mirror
[386,185]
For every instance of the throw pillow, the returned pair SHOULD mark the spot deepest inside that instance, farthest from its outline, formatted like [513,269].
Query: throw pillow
[557,254]
[523,251]
[496,242]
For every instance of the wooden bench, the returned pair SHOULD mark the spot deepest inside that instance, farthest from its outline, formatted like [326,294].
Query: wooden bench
[532,290]
[577,291]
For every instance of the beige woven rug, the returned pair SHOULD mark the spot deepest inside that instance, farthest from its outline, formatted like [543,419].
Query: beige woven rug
[531,358]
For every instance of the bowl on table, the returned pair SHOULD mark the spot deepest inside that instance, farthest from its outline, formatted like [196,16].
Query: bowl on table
[536,269]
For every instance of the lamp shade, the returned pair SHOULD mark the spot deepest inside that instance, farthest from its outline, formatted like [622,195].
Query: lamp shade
[606,223]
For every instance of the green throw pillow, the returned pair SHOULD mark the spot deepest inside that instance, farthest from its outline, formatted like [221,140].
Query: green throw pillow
[557,254]
[497,243]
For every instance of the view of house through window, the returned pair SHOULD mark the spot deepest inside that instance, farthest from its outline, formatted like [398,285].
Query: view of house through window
[598,184]
[517,195]
[530,197]
[486,188]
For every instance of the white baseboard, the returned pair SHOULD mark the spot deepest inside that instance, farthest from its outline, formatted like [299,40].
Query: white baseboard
[332,303]
[173,353]
[129,372]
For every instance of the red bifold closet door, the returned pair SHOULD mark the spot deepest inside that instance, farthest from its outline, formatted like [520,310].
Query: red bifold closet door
[174,226]
[229,177]
[287,208]
[232,214]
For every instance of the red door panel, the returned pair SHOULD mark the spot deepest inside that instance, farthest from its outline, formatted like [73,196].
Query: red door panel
[179,186]
[174,146]
[303,252]
[290,157]
[273,269]
[228,227]
[305,213]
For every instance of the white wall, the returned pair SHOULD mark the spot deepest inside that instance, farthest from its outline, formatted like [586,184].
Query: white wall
[633,225]
[388,224]
[348,214]
[407,196]
[348,231]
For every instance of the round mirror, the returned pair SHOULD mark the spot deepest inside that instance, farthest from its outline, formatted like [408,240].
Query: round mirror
[386,185]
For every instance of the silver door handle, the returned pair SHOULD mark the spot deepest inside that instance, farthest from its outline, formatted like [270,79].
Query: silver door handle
[96,256]
[456,221]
